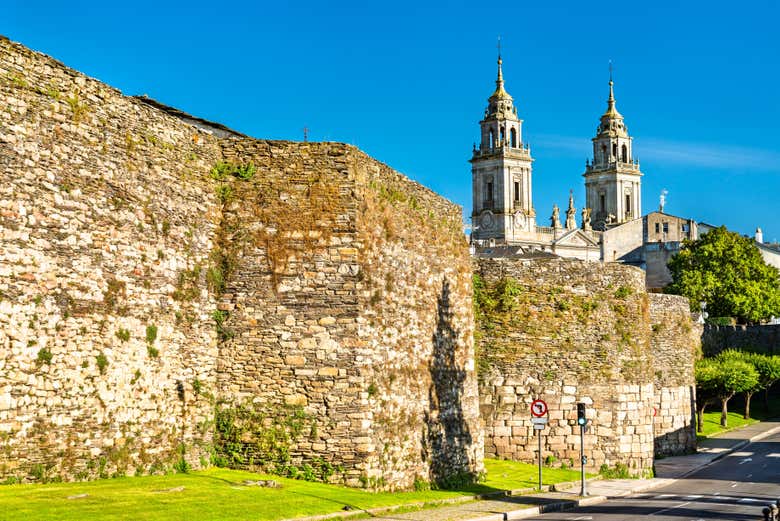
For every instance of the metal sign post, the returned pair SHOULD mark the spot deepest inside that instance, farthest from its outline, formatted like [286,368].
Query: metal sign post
[539,413]
[539,436]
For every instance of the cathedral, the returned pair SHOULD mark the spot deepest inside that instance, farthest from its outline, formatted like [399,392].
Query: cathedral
[612,227]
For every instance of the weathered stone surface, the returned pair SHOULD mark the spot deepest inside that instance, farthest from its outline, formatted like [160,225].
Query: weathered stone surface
[675,341]
[761,338]
[158,289]
[581,332]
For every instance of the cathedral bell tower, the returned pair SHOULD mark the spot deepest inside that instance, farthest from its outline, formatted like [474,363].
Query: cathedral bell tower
[502,208]
[613,184]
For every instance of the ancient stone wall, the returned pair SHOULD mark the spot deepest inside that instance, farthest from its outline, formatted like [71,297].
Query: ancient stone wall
[338,310]
[761,338]
[675,343]
[106,215]
[568,332]
[417,322]
[162,287]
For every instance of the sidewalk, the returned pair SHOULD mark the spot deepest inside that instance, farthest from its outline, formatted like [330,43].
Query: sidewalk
[522,506]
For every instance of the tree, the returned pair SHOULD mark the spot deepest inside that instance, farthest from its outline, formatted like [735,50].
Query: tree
[706,387]
[754,359]
[733,375]
[768,368]
[726,271]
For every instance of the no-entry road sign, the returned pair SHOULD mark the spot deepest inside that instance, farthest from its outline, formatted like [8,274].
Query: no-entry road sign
[538,408]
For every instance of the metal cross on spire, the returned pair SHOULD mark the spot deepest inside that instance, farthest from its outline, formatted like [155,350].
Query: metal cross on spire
[499,46]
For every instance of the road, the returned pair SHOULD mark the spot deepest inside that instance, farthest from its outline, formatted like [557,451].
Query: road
[736,487]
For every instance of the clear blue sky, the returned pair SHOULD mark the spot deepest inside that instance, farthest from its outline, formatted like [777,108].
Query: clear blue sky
[698,83]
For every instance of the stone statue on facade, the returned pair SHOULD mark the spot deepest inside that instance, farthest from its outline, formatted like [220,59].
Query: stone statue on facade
[571,213]
[555,219]
[586,219]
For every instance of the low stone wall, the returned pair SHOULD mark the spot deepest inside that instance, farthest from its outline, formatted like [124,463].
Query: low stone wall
[761,338]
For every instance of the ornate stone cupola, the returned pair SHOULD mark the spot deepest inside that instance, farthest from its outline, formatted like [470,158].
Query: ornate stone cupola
[613,188]
[501,172]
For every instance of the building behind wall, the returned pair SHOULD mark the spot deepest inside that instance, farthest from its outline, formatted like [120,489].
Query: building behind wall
[503,213]
[612,227]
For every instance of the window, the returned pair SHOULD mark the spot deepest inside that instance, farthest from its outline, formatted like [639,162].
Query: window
[492,138]
[628,205]
[601,202]
[614,151]
[603,156]
[503,137]
[625,154]
[666,227]
[685,228]
[657,227]
[517,191]
[513,137]
[489,193]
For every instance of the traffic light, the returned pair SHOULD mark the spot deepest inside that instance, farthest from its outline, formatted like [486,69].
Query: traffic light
[581,419]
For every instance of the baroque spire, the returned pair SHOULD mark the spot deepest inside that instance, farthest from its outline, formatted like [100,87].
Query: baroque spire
[500,93]
[611,110]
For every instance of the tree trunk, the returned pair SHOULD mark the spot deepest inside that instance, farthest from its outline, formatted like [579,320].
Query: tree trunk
[748,396]
[700,417]
[724,411]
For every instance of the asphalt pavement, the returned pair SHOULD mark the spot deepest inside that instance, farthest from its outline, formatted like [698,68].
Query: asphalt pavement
[736,486]
[732,476]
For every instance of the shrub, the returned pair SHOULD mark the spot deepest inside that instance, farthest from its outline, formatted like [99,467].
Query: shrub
[151,334]
[620,471]
[44,356]
[123,334]
[102,362]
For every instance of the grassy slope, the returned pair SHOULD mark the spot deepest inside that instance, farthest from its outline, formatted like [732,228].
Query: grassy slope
[219,494]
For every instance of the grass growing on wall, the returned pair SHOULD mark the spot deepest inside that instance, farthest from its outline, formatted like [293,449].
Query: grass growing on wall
[221,494]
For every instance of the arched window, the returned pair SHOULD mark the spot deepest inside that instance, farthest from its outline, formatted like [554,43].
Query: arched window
[513,137]
[492,139]
[614,151]
[604,153]
[503,137]
[625,154]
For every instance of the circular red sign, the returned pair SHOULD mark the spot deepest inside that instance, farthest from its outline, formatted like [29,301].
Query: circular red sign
[538,408]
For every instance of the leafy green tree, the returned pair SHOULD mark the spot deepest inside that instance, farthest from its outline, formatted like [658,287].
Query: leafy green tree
[733,375]
[768,368]
[726,271]
[706,388]
[753,359]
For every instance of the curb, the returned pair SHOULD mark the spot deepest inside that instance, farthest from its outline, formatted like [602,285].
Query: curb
[558,506]
[555,506]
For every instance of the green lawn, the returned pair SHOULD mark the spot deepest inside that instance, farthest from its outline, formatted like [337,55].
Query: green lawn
[758,412]
[219,494]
